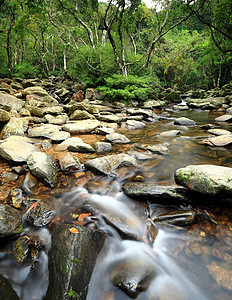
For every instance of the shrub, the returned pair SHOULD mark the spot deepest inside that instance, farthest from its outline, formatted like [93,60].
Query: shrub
[25,70]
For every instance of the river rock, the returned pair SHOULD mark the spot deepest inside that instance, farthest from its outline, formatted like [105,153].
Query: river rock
[43,130]
[10,221]
[176,217]
[103,130]
[21,249]
[81,127]
[29,184]
[72,258]
[142,155]
[83,106]
[219,132]
[205,179]
[4,116]
[41,166]
[170,133]
[55,110]
[117,138]
[108,164]
[109,118]
[64,145]
[42,214]
[81,147]
[161,149]
[59,136]
[6,290]
[218,141]
[11,101]
[224,118]
[221,275]
[153,104]
[16,149]
[133,124]
[146,113]
[183,121]
[16,126]
[81,115]
[15,198]
[102,147]
[36,90]
[68,163]
[153,192]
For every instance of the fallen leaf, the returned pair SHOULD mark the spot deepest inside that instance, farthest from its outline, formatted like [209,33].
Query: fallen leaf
[73,230]
[83,216]
[32,206]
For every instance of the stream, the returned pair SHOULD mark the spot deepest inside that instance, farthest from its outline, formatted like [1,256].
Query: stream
[193,262]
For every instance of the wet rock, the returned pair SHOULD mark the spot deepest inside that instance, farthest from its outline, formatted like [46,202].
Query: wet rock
[10,176]
[205,179]
[11,101]
[6,290]
[146,113]
[218,141]
[41,166]
[10,221]
[4,116]
[221,275]
[133,124]
[170,133]
[68,163]
[102,147]
[109,118]
[21,249]
[161,149]
[184,122]
[117,138]
[108,164]
[15,198]
[219,132]
[29,184]
[104,130]
[59,136]
[16,149]
[81,127]
[176,217]
[43,130]
[224,118]
[16,126]
[71,262]
[42,213]
[154,192]
[207,126]
[81,147]
[142,155]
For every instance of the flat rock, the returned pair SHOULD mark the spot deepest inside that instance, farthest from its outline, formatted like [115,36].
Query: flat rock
[81,115]
[81,147]
[15,149]
[43,130]
[102,147]
[108,164]
[221,275]
[104,130]
[4,116]
[81,127]
[68,163]
[170,133]
[41,166]
[133,124]
[10,221]
[16,126]
[219,132]
[161,149]
[224,118]
[59,136]
[64,145]
[36,90]
[184,122]
[146,113]
[142,155]
[218,141]
[109,118]
[11,101]
[205,179]
[117,138]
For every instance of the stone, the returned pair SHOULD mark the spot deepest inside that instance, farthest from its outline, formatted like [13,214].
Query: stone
[21,249]
[30,184]
[133,124]
[219,132]
[146,113]
[4,116]
[16,126]
[15,198]
[109,118]
[218,141]
[11,101]
[10,176]
[154,104]
[117,138]
[102,147]
[81,147]
[72,258]
[83,106]
[59,136]
[43,130]
[81,115]
[81,127]
[161,149]
[107,165]
[176,217]
[6,290]
[224,118]
[142,155]
[64,145]
[205,179]
[170,133]
[154,193]
[41,166]
[36,90]
[183,121]
[68,163]
[104,130]
[55,110]
[221,275]
[10,221]
[15,149]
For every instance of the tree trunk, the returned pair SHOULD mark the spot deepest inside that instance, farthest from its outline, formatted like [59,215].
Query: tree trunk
[8,46]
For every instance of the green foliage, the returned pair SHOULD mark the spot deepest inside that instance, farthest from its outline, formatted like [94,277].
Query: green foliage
[25,70]
[132,87]
[71,293]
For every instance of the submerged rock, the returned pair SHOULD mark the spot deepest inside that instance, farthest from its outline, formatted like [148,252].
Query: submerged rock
[72,258]
[161,149]
[176,217]
[108,164]
[221,275]
[184,122]
[218,141]
[205,179]
[10,221]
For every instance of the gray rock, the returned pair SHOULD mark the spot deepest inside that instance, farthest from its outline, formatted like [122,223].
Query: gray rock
[205,179]
[84,106]
[102,147]
[133,124]
[68,163]
[117,138]
[161,149]
[41,166]
[79,127]
[71,260]
[81,115]
[224,118]
[104,130]
[109,118]
[109,164]
[64,145]
[146,113]
[16,126]
[219,132]
[170,133]
[15,198]
[142,155]
[81,147]
[11,101]
[58,120]
[59,136]
[154,104]
[36,90]
[10,221]
[184,122]
[4,116]
[218,141]
[16,149]
[43,130]
[30,184]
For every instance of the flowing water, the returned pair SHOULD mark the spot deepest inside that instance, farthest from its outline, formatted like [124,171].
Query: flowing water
[181,263]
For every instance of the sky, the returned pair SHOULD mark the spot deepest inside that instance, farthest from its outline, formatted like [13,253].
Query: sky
[149,3]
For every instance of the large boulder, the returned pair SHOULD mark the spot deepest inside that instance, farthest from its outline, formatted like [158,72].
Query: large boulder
[41,166]
[16,126]
[218,141]
[11,101]
[4,116]
[133,124]
[43,131]
[108,164]
[36,90]
[10,221]
[81,127]
[205,179]
[15,148]
[183,121]
[72,258]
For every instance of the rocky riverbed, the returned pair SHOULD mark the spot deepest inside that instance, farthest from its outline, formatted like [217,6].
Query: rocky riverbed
[60,146]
